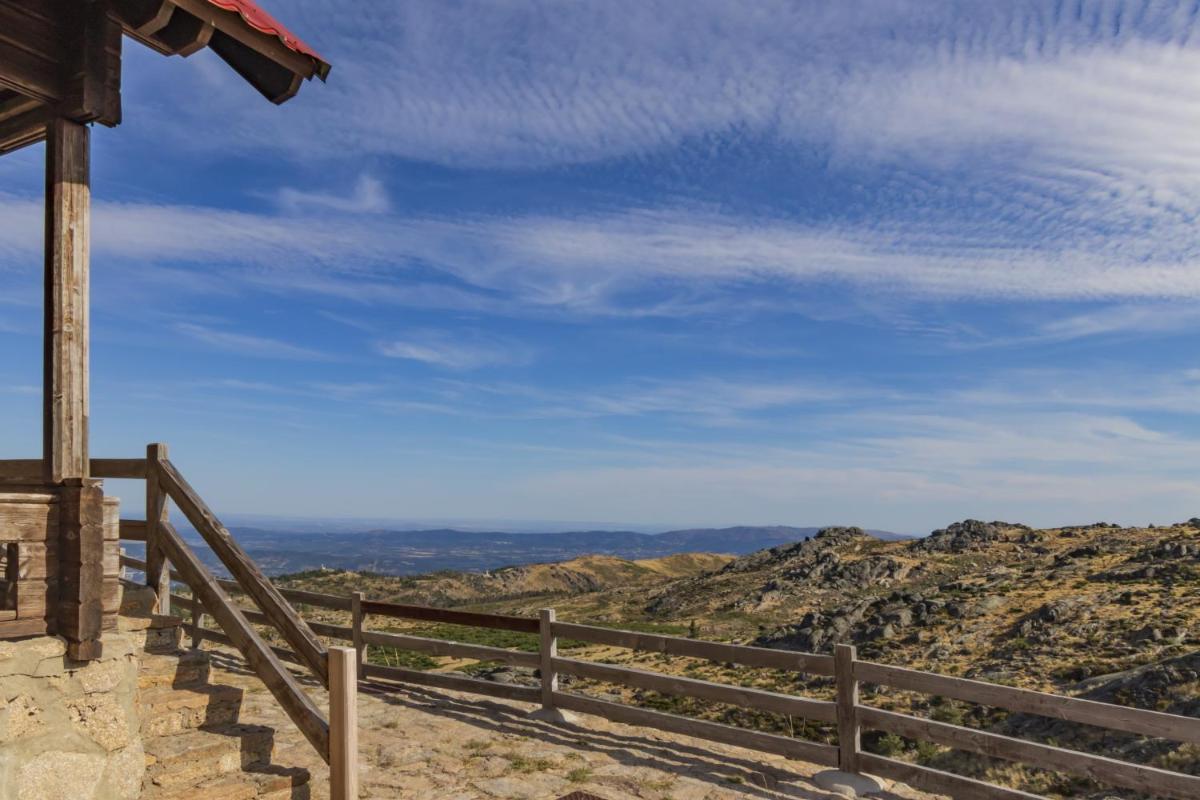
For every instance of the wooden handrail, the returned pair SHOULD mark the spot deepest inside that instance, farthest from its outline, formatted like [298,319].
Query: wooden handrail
[257,653]
[291,626]
[30,469]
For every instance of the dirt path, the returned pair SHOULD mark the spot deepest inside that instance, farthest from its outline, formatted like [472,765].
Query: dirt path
[428,744]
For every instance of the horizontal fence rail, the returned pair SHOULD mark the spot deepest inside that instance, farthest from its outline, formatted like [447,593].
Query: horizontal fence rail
[696,648]
[848,713]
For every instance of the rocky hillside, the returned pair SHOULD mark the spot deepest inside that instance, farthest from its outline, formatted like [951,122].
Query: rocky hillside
[560,579]
[1097,611]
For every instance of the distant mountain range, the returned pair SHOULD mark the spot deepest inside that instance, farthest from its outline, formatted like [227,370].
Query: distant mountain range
[404,552]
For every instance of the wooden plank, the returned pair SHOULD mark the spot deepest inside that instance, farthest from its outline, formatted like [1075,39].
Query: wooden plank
[29,518]
[133,530]
[343,724]
[696,648]
[32,74]
[849,730]
[332,631]
[124,468]
[760,699]
[16,628]
[441,647]
[457,683]
[117,468]
[133,563]
[22,468]
[823,754]
[259,656]
[268,599]
[1057,759]
[65,340]
[336,602]
[158,576]
[36,34]
[468,618]
[37,561]
[1070,709]
[938,782]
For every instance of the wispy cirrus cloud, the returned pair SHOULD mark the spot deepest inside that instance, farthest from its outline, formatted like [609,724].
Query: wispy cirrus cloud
[250,345]
[457,351]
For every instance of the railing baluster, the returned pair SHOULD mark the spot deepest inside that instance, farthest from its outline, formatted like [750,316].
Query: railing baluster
[158,574]
[343,723]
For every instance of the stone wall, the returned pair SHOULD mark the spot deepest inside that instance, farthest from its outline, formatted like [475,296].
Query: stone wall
[69,730]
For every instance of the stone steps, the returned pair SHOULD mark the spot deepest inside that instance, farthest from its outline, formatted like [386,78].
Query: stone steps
[166,710]
[185,759]
[189,668]
[261,783]
[195,748]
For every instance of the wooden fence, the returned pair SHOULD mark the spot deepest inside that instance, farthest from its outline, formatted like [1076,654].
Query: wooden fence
[848,713]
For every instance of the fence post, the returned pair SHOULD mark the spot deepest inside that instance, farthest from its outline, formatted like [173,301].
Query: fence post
[849,729]
[547,652]
[158,573]
[360,647]
[343,724]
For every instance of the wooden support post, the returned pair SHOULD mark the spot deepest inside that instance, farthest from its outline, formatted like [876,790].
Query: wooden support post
[343,724]
[158,572]
[197,621]
[849,728]
[548,651]
[81,567]
[360,647]
[65,342]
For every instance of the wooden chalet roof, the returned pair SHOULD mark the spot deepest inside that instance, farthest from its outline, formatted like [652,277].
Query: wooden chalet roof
[63,57]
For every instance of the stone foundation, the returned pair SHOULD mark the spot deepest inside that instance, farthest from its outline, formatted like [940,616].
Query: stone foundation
[69,730]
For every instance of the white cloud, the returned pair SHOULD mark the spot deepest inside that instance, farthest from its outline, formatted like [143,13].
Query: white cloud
[245,344]
[368,197]
[457,351]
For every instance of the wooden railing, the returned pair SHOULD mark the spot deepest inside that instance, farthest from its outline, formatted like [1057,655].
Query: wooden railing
[847,712]
[169,558]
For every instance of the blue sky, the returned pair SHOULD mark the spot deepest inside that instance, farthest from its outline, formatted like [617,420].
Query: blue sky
[883,263]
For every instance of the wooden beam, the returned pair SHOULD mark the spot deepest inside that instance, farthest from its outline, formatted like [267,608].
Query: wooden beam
[81,567]
[230,24]
[24,129]
[65,343]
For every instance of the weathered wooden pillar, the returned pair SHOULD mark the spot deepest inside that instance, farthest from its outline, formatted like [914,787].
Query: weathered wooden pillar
[65,346]
[65,391]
